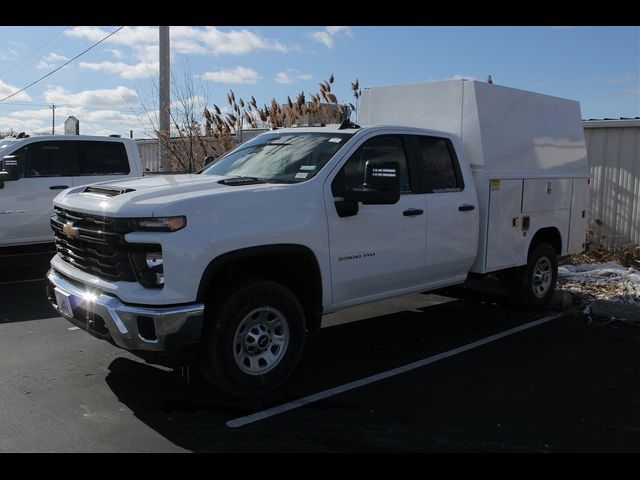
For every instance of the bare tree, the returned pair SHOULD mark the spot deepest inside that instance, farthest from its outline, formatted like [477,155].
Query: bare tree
[188,143]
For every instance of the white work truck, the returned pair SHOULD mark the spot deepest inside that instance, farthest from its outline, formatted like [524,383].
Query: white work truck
[33,170]
[233,266]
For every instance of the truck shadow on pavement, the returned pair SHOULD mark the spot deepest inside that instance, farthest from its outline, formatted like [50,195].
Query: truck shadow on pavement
[193,414]
[22,288]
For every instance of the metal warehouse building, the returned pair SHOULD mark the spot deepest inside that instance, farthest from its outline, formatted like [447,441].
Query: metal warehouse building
[613,148]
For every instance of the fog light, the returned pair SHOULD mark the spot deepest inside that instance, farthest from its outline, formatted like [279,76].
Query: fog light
[154,259]
[149,268]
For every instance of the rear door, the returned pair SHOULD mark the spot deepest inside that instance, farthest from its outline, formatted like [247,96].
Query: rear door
[99,162]
[452,210]
[28,202]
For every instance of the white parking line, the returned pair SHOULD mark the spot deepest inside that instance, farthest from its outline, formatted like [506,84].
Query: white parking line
[270,412]
[23,281]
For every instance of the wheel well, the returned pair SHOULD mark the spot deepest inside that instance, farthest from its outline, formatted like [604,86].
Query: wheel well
[294,266]
[550,235]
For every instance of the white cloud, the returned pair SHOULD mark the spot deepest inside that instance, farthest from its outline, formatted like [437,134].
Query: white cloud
[120,96]
[51,60]
[238,75]
[125,70]
[126,36]
[116,53]
[9,54]
[282,77]
[627,78]
[633,91]
[92,122]
[6,90]
[236,42]
[186,39]
[292,76]
[328,35]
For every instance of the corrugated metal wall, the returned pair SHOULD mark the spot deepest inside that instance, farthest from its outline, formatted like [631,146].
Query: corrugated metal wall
[613,147]
[149,154]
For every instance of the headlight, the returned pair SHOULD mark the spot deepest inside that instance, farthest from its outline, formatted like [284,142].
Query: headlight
[159,224]
[148,268]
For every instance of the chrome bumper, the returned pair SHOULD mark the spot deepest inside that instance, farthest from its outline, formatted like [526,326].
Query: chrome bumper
[157,329]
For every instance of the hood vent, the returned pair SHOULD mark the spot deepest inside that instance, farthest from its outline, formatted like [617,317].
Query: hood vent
[237,181]
[107,191]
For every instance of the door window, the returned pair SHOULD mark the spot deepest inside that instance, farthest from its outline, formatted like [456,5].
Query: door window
[384,147]
[44,159]
[440,170]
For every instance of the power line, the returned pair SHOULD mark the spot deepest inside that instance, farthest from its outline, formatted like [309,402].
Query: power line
[64,64]
[24,59]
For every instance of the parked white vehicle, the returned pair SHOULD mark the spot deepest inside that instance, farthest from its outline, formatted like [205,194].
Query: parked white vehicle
[33,170]
[233,266]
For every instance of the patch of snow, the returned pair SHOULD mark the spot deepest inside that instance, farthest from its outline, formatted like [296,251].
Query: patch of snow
[608,281]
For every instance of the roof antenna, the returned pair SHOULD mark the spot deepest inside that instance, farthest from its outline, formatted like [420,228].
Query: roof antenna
[489,79]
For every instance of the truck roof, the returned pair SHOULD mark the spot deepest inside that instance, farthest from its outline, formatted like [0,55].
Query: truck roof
[68,137]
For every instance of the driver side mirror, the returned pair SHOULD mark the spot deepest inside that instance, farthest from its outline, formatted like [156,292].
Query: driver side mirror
[10,168]
[381,185]
[209,159]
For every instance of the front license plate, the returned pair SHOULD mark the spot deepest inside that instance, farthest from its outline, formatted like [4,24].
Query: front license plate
[64,302]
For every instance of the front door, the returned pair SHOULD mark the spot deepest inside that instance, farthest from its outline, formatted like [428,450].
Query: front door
[381,248]
[27,203]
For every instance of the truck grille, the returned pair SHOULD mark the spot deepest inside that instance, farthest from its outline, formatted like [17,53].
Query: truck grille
[93,244]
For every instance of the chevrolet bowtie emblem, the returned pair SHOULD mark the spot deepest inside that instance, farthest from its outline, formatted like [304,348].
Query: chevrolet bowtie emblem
[69,230]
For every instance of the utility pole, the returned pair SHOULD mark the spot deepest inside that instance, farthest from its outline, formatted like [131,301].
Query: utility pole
[165,97]
[53,122]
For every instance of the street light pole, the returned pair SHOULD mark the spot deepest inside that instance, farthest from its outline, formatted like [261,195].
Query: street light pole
[165,97]
[53,121]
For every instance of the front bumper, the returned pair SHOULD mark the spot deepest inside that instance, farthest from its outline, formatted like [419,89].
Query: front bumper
[167,330]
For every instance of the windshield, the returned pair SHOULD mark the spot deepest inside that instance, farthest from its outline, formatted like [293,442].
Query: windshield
[280,157]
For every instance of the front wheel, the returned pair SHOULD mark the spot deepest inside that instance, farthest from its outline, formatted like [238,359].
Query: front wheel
[253,337]
[534,284]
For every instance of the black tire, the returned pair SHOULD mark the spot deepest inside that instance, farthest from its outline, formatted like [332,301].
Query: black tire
[224,314]
[528,290]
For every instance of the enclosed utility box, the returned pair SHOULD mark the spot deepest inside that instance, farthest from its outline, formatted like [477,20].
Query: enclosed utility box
[526,150]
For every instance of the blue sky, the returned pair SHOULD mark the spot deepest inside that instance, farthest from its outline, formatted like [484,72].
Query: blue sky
[107,87]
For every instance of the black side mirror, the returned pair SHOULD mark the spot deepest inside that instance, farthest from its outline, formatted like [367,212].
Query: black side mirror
[381,184]
[10,168]
[208,160]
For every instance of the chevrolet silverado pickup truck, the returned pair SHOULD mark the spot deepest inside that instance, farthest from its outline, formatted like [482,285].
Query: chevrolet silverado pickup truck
[33,170]
[231,268]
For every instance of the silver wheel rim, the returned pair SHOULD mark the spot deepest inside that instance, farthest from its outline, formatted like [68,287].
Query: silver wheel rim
[542,275]
[261,340]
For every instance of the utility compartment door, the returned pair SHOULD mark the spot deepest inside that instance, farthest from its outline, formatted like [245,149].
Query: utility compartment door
[578,223]
[504,233]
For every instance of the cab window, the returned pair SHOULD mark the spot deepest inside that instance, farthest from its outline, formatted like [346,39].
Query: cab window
[384,147]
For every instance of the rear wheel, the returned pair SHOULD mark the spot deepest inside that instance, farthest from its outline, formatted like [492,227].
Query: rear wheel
[253,338]
[534,284]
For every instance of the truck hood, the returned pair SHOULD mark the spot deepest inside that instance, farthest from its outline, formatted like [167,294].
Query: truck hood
[141,196]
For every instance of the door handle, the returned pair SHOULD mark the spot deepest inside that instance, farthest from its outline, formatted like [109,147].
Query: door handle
[466,208]
[58,187]
[412,211]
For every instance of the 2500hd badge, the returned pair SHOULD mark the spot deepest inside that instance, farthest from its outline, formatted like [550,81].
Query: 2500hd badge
[356,256]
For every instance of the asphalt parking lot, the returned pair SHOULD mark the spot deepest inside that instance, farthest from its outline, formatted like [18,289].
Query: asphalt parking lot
[564,385]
